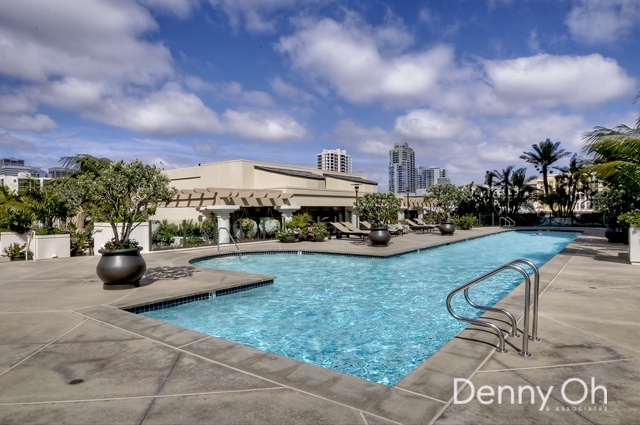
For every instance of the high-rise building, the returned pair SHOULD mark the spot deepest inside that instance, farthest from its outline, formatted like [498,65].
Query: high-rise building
[402,168]
[334,160]
[429,176]
[13,167]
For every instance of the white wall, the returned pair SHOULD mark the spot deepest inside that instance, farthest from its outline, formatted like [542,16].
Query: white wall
[8,238]
[51,246]
[104,233]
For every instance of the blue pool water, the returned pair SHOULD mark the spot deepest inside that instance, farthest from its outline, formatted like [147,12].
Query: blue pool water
[373,318]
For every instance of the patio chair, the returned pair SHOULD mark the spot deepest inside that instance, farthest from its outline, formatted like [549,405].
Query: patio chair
[415,226]
[343,230]
[353,228]
[366,225]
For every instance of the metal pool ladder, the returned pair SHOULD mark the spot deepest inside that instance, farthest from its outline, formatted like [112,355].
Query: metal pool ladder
[508,222]
[527,306]
[230,236]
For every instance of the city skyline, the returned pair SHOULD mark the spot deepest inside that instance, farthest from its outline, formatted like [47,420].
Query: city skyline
[181,82]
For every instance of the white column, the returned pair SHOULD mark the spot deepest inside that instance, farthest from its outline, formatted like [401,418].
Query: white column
[287,212]
[223,213]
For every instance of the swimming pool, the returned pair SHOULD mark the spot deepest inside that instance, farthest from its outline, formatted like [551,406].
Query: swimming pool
[369,317]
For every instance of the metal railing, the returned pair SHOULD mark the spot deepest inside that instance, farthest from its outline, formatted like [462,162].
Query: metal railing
[230,237]
[508,222]
[527,306]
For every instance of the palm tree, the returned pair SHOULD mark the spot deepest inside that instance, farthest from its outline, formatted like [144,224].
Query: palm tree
[543,156]
[616,155]
[84,163]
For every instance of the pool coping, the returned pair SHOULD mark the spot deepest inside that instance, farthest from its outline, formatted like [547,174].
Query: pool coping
[426,391]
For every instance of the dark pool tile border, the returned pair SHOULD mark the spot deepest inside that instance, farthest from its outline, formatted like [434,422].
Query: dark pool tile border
[196,297]
[345,254]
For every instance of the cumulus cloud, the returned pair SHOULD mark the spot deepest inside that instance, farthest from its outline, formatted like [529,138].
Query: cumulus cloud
[257,16]
[349,58]
[38,123]
[546,80]
[83,38]
[597,21]
[11,142]
[289,91]
[262,125]
[180,8]
[428,126]
[373,141]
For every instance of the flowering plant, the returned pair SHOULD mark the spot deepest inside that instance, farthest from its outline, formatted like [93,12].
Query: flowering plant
[113,245]
[317,230]
[631,218]
[16,250]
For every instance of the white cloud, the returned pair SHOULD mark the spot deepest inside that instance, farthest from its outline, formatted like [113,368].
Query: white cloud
[81,38]
[11,142]
[262,125]
[372,141]
[349,57]
[38,123]
[180,8]
[597,21]
[257,16]
[549,81]
[163,113]
[430,126]
[289,91]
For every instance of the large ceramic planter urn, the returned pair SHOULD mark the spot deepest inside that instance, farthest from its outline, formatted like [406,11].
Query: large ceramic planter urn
[122,268]
[447,228]
[615,235]
[379,236]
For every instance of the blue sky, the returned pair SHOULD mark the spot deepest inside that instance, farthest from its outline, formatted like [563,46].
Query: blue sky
[469,84]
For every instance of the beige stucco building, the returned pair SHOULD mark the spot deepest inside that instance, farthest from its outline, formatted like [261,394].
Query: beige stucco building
[236,189]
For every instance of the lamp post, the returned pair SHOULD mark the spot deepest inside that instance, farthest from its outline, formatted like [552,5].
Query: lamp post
[356,186]
[407,214]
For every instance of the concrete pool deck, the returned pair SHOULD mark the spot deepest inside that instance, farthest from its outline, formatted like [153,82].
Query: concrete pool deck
[69,354]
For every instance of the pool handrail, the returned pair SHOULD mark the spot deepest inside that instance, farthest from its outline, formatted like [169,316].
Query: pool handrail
[508,222]
[527,305]
[230,236]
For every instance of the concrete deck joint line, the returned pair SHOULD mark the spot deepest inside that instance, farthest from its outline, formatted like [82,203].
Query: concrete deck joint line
[420,395]
[560,365]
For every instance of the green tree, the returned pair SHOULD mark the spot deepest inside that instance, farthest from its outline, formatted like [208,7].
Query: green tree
[543,156]
[380,209]
[123,194]
[446,198]
[615,155]
[44,205]
[572,180]
[515,192]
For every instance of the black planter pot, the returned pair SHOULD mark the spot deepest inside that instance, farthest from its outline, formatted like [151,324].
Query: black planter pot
[615,234]
[289,239]
[447,228]
[122,268]
[380,236]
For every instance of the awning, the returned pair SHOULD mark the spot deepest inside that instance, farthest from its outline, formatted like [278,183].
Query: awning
[203,197]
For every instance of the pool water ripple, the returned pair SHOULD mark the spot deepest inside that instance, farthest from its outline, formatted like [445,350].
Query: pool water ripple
[373,318]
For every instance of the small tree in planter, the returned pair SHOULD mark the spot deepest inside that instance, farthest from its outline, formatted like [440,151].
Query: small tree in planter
[381,209]
[446,198]
[125,195]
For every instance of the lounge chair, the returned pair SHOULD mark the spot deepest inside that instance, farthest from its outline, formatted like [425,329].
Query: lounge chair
[353,228]
[366,225]
[415,226]
[343,230]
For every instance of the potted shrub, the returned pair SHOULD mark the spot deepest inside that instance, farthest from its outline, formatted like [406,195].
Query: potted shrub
[380,209]
[288,234]
[632,219]
[446,197]
[124,195]
[17,252]
[317,232]
[612,203]
[467,222]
